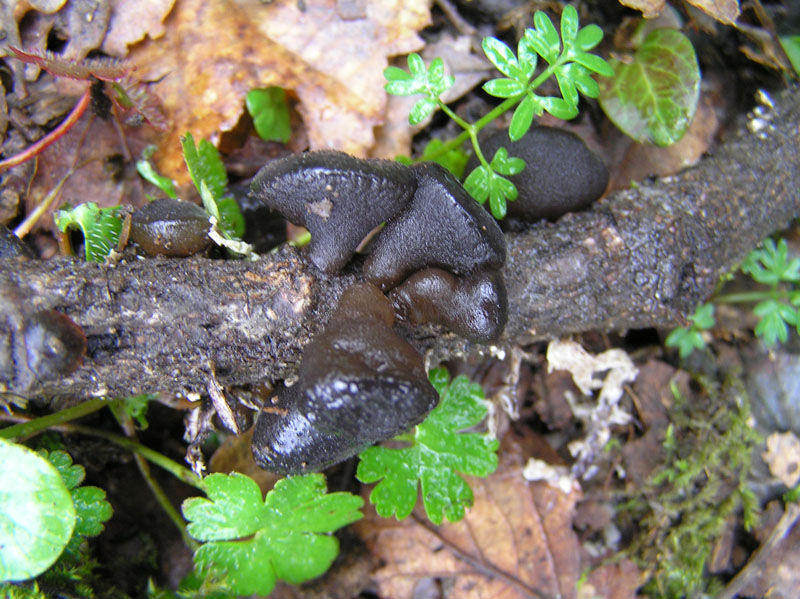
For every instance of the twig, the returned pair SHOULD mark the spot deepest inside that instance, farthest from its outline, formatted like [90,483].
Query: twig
[51,137]
[754,567]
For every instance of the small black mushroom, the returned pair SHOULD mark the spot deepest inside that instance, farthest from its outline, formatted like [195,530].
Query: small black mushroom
[358,383]
[12,246]
[474,306]
[442,227]
[172,228]
[561,174]
[337,197]
[54,344]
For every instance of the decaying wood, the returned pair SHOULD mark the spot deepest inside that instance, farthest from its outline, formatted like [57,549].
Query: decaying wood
[640,258]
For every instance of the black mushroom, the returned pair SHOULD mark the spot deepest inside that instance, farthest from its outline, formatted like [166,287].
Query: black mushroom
[442,227]
[358,383]
[561,174]
[474,306]
[337,197]
[172,228]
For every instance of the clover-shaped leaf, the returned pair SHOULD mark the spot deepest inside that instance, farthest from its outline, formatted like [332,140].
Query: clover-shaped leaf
[770,265]
[430,82]
[438,452]
[251,543]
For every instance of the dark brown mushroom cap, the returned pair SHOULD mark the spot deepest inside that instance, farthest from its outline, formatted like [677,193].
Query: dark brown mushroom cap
[561,174]
[442,227]
[12,246]
[358,383]
[168,227]
[474,306]
[337,197]
[54,344]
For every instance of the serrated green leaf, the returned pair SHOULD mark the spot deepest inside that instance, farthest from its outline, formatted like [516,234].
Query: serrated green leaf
[439,452]
[686,340]
[522,119]
[91,509]
[502,57]
[772,326]
[559,108]
[232,220]
[503,88]
[37,515]
[204,164]
[101,228]
[653,99]
[569,25]
[73,474]
[588,37]
[477,184]
[254,542]
[270,113]
[135,406]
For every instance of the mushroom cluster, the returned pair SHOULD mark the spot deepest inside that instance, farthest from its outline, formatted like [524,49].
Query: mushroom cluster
[439,256]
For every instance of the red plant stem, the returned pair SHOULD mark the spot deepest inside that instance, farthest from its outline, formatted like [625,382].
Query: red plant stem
[51,137]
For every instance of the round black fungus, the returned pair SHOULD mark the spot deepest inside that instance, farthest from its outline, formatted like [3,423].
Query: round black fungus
[474,306]
[12,246]
[54,344]
[442,227]
[358,383]
[561,174]
[337,197]
[172,228]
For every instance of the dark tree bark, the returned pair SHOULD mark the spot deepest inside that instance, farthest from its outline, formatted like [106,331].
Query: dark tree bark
[642,257]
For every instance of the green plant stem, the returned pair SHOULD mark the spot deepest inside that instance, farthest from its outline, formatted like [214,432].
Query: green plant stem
[37,425]
[746,297]
[471,130]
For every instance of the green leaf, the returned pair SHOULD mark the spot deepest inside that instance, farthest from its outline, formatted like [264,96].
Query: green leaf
[791,45]
[654,97]
[770,265]
[232,220]
[149,174]
[454,160]
[421,110]
[774,317]
[501,190]
[566,83]
[704,316]
[594,63]
[522,118]
[505,164]
[527,58]
[270,113]
[559,108]
[438,453]
[502,57]
[136,407]
[37,515]
[91,507]
[503,88]
[588,37]
[204,164]
[101,228]
[569,25]
[251,542]
[477,184]
[544,37]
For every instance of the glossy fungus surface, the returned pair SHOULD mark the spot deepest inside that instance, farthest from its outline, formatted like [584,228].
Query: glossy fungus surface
[442,227]
[337,197]
[358,383]
[561,174]
[474,306]
[172,228]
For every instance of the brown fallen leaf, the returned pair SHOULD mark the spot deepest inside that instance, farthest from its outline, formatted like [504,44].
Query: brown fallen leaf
[724,11]
[649,8]
[516,541]
[131,21]
[212,55]
[612,581]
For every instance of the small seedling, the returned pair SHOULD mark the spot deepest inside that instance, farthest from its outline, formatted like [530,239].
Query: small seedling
[567,59]
[270,113]
[438,451]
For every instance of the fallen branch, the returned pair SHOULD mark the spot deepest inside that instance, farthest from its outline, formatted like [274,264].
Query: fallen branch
[642,257]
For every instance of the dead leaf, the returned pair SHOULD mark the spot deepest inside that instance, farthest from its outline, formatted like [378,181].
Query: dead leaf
[649,8]
[783,457]
[612,581]
[724,11]
[131,21]
[213,53]
[516,541]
